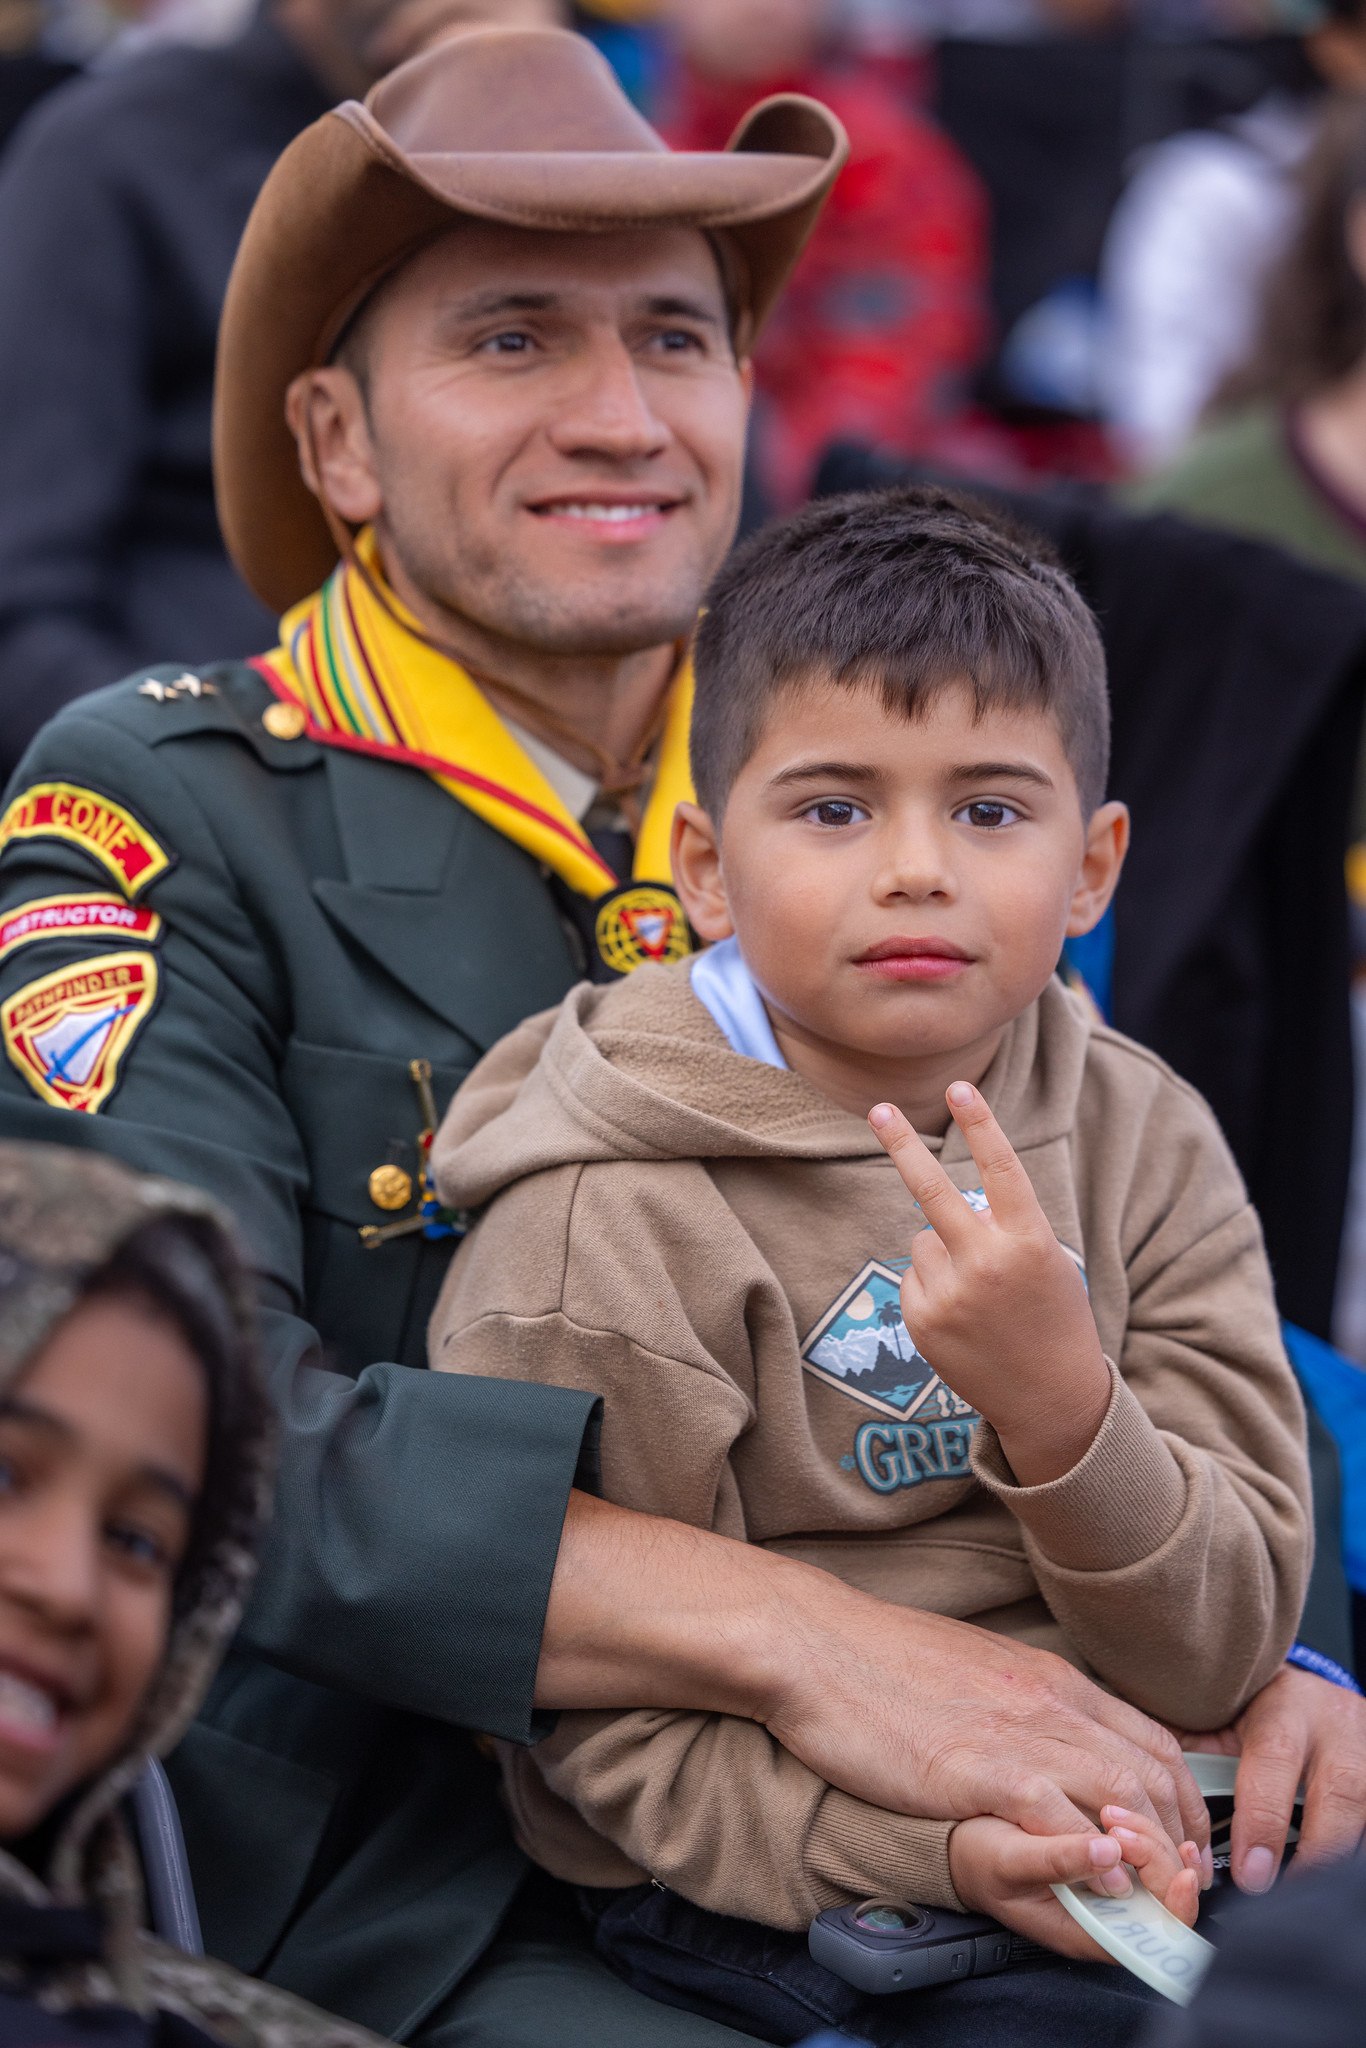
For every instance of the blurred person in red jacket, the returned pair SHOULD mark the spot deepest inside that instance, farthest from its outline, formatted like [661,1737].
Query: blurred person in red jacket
[886,315]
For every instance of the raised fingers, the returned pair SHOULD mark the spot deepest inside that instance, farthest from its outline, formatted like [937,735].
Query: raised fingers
[1004,1181]
[941,1202]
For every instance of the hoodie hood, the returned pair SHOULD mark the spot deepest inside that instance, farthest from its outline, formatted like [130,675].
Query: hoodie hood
[64,1215]
[640,1070]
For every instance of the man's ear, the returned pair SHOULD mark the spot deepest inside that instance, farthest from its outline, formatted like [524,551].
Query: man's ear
[696,850]
[1107,842]
[326,414]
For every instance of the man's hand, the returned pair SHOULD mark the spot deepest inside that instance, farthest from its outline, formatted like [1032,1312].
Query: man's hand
[1299,1729]
[926,1715]
[998,1869]
[910,1711]
[993,1301]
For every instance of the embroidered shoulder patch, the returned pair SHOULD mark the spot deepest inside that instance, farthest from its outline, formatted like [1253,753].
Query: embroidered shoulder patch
[68,1033]
[107,830]
[105,917]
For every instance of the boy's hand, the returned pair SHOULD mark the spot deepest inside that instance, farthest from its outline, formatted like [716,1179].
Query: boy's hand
[998,1869]
[993,1301]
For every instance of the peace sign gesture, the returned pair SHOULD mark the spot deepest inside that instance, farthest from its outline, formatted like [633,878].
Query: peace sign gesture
[994,1302]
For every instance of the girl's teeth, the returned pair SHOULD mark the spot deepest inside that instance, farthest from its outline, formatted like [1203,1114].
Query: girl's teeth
[25,1705]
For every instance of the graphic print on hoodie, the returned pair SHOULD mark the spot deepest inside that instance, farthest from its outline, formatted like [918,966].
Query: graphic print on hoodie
[696,1236]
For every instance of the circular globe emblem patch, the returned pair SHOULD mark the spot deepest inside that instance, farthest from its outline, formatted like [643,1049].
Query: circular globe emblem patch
[642,922]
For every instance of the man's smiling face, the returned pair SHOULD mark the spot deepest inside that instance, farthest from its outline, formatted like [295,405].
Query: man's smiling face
[548,432]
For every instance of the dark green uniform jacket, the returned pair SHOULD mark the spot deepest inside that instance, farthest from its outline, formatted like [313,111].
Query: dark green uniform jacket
[325,920]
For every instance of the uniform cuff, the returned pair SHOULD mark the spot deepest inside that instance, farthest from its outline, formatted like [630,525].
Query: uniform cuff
[1119,1503]
[854,1851]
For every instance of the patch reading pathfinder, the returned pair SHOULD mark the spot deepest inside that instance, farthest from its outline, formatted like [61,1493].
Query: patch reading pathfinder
[95,823]
[69,1033]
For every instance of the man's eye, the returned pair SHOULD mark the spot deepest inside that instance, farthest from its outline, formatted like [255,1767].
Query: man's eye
[677,340]
[989,817]
[510,344]
[834,811]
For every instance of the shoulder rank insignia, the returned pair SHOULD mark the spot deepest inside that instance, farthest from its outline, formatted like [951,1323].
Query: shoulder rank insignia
[69,1032]
[644,921]
[107,830]
[96,916]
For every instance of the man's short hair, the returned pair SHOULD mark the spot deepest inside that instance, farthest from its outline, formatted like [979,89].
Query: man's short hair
[903,592]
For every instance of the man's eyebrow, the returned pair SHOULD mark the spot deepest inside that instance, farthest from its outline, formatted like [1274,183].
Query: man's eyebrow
[997,771]
[492,305]
[824,771]
[671,307]
[487,305]
[13,1408]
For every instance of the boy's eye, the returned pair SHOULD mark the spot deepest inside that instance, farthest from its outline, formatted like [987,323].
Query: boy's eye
[989,817]
[834,811]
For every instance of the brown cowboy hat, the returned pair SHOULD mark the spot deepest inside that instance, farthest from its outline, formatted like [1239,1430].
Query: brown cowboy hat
[524,126]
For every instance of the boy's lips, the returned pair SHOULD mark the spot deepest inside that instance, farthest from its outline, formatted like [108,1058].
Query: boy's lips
[913,960]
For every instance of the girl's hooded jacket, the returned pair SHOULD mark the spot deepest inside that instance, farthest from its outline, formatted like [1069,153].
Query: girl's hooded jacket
[716,1248]
[73,1955]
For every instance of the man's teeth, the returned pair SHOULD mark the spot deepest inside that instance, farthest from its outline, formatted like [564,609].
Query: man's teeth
[616,515]
[24,1705]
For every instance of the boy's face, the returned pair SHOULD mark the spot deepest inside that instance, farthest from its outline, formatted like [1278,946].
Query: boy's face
[900,890]
[101,1460]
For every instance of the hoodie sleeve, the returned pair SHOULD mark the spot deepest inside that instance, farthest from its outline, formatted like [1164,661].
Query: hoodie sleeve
[1176,1552]
[572,1278]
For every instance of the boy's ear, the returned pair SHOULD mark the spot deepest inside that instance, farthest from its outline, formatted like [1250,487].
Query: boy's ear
[1107,842]
[696,851]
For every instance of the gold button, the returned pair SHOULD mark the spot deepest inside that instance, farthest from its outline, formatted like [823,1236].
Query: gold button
[391,1187]
[286,722]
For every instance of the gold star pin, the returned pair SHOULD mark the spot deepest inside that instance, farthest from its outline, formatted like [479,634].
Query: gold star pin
[284,721]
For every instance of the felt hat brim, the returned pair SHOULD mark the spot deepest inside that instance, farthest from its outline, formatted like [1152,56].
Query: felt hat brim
[546,140]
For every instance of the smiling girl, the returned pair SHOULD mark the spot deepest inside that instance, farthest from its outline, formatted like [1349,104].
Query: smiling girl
[134,1437]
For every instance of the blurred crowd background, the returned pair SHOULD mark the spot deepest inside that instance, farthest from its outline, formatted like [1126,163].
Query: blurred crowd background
[1104,259]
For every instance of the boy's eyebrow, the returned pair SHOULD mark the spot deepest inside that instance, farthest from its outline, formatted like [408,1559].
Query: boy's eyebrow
[825,771]
[993,771]
[14,1409]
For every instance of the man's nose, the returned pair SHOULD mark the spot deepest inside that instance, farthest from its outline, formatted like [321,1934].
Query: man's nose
[604,410]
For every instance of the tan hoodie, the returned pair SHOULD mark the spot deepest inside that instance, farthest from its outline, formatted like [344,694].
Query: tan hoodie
[714,1247]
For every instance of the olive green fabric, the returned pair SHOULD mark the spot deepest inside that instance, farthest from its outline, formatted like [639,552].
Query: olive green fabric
[328,919]
[1240,473]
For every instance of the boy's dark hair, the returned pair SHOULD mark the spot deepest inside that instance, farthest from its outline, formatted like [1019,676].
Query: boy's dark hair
[902,591]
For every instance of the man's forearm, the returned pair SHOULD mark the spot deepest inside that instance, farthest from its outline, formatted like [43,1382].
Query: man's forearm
[646,1612]
[910,1711]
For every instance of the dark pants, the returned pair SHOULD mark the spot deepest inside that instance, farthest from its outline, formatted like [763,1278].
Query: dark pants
[765,1982]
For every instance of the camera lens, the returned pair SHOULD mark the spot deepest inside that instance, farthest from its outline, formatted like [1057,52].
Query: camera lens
[884,1916]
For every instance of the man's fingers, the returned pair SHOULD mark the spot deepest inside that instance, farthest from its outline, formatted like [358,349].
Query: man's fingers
[1004,1181]
[1268,1774]
[940,1200]
[1165,1774]
[1334,1817]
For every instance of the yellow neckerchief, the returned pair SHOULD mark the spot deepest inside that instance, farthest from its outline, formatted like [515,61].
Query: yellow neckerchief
[367,683]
